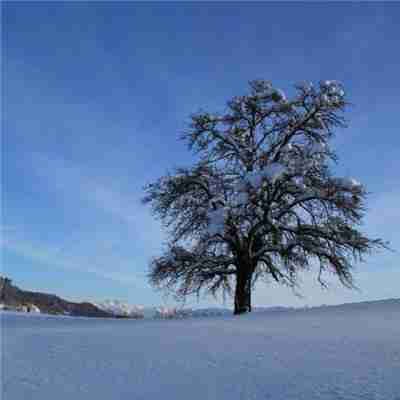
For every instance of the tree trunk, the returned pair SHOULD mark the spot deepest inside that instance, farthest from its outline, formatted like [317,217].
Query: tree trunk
[243,292]
[249,295]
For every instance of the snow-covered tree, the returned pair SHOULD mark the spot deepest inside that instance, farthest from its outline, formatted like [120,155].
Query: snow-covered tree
[262,199]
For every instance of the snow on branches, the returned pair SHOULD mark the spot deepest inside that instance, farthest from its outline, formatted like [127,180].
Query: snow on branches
[262,199]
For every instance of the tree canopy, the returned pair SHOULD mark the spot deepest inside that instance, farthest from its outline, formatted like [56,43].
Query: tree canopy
[262,200]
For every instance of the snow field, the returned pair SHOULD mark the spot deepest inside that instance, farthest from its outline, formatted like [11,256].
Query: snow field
[334,353]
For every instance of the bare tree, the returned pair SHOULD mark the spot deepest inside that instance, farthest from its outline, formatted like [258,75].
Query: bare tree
[262,200]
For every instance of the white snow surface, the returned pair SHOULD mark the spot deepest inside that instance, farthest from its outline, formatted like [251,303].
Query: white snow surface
[347,353]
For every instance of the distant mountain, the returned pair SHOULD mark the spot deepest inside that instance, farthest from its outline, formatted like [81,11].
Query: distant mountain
[11,297]
[119,309]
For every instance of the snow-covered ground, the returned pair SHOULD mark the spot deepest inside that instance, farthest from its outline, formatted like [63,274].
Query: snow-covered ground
[328,353]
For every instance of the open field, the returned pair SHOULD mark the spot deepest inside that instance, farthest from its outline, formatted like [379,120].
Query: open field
[346,352]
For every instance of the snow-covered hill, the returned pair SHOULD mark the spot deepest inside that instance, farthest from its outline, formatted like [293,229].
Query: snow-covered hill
[119,308]
[330,353]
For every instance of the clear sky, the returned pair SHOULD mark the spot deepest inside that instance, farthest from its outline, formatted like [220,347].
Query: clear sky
[96,95]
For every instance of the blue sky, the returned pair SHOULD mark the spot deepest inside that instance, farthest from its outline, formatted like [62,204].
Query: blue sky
[95,96]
